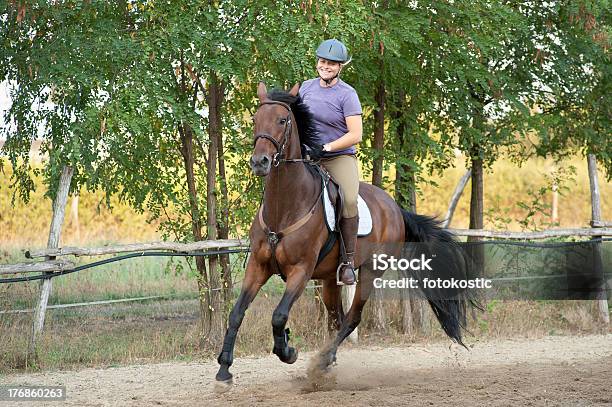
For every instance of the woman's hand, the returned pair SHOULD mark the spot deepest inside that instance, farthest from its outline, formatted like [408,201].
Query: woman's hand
[316,151]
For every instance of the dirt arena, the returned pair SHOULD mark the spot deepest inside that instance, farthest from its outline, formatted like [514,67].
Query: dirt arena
[558,371]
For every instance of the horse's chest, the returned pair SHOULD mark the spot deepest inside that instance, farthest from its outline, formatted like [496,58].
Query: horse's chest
[282,253]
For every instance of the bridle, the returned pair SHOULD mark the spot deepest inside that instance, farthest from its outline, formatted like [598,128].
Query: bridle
[274,237]
[280,147]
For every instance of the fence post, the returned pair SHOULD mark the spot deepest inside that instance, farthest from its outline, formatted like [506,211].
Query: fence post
[59,207]
[602,301]
[455,198]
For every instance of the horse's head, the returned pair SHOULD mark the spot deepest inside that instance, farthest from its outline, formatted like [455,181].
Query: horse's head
[273,126]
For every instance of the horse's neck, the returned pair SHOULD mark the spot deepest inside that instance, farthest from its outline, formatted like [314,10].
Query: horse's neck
[290,192]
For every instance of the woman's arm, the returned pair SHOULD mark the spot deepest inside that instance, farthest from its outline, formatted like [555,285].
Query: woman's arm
[353,137]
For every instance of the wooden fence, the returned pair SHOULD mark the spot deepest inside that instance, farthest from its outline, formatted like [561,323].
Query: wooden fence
[51,264]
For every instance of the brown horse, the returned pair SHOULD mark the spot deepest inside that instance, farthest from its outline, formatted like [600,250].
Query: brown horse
[289,232]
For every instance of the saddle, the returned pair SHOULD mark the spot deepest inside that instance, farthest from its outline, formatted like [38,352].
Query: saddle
[333,202]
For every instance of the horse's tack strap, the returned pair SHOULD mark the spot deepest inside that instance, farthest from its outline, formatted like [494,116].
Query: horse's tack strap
[275,237]
[291,228]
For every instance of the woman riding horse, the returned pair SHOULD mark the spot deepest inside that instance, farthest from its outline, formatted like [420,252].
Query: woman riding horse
[289,232]
[336,111]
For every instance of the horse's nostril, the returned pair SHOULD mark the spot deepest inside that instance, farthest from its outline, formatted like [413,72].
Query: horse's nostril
[260,161]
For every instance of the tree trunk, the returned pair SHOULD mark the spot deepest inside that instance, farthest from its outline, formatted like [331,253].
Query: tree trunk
[186,134]
[187,151]
[322,317]
[477,196]
[215,101]
[55,232]
[379,320]
[455,198]
[602,300]
[404,174]
[476,250]
[223,226]
[379,136]
[404,179]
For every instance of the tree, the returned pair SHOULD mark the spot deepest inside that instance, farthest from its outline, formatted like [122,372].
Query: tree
[50,61]
[575,101]
[170,108]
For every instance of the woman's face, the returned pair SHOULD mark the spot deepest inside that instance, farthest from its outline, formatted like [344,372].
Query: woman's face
[328,69]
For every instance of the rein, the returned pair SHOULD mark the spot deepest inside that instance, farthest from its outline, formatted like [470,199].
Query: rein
[275,237]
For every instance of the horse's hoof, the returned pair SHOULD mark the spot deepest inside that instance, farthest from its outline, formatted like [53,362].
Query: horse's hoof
[223,375]
[327,361]
[223,386]
[293,355]
[289,357]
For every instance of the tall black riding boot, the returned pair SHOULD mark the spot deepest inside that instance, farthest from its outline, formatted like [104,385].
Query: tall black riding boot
[348,228]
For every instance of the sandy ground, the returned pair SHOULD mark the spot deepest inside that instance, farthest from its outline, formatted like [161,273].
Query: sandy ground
[565,371]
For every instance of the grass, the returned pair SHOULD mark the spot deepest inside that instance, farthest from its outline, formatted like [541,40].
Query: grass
[506,185]
[136,277]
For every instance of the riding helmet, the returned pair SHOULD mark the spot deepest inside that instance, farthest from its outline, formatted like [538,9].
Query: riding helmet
[333,50]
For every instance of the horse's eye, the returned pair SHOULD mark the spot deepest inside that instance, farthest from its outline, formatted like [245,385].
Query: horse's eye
[253,119]
[283,121]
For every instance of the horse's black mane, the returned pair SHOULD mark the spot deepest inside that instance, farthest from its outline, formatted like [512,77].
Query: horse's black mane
[303,117]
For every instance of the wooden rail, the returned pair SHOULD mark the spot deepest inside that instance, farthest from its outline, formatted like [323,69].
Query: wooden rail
[545,234]
[36,267]
[229,243]
[137,247]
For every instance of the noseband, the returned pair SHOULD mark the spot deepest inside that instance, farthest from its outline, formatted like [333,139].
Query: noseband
[280,147]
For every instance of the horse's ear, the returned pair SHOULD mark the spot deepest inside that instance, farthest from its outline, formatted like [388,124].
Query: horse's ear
[262,92]
[295,89]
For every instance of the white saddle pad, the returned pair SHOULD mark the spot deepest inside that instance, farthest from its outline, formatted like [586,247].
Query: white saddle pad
[365,218]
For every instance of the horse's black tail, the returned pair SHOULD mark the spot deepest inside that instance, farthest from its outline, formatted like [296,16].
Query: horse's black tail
[449,306]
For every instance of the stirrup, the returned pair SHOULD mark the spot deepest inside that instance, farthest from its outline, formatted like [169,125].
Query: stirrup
[339,277]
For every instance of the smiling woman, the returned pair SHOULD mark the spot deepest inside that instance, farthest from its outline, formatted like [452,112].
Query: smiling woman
[336,111]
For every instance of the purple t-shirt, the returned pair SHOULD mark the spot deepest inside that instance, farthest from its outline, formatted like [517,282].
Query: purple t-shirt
[329,107]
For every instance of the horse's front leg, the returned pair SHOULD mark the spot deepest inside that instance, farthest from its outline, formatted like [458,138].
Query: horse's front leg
[297,278]
[255,277]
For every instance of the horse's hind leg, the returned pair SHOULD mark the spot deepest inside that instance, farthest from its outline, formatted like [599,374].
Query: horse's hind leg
[255,277]
[297,279]
[332,299]
[352,319]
